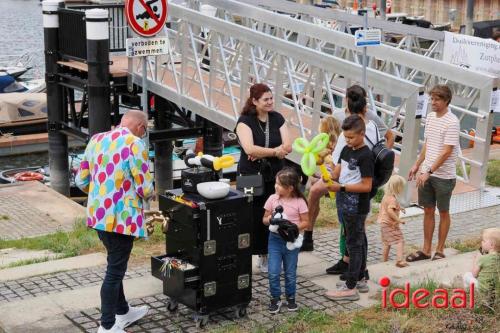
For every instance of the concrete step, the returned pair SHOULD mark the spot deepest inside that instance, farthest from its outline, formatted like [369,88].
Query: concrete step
[53,266]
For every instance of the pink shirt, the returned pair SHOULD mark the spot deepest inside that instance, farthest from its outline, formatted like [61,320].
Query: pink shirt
[292,207]
[438,132]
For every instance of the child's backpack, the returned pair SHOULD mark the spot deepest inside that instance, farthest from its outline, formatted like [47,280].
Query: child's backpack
[384,163]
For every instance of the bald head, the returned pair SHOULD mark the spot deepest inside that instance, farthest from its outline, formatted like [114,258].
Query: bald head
[135,121]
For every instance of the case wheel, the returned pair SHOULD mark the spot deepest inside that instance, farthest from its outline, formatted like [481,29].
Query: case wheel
[201,321]
[172,305]
[240,312]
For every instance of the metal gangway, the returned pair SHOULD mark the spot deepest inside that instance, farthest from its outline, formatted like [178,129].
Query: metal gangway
[472,90]
[219,60]
[415,39]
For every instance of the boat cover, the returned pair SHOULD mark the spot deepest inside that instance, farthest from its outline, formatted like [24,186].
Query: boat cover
[8,85]
[16,107]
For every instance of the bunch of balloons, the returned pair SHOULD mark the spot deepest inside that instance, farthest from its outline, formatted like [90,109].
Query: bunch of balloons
[310,151]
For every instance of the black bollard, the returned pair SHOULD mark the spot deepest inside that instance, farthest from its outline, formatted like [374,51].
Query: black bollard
[97,27]
[212,139]
[163,149]
[58,142]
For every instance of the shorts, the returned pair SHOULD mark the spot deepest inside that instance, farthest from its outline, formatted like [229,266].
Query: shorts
[436,192]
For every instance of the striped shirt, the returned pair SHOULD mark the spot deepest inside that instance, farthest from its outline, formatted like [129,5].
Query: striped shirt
[440,131]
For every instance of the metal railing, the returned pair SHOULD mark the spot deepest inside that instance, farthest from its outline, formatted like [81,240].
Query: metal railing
[218,66]
[472,90]
[73,36]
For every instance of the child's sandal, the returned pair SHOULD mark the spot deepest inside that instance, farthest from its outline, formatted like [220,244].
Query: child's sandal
[401,264]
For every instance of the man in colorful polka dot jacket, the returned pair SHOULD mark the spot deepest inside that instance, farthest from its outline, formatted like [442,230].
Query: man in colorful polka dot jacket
[114,172]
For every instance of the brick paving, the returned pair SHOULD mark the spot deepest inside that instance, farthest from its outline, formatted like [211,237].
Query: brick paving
[20,219]
[159,320]
[36,286]
[464,225]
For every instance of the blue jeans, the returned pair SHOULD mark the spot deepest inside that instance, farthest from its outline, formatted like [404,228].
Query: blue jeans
[277,254]
[113,301]
[357,246]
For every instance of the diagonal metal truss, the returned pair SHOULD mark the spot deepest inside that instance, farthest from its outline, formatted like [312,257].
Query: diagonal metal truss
[221,59]
[472,90]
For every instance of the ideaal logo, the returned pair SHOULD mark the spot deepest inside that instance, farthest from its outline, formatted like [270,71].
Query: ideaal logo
[423,298]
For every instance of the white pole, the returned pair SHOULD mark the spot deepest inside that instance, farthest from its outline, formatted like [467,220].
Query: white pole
[365,60]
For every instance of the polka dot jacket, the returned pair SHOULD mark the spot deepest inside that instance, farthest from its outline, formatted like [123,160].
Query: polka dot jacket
[115,174]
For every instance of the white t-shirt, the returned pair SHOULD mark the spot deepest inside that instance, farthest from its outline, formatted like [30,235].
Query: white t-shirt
[439,132]
[371,133]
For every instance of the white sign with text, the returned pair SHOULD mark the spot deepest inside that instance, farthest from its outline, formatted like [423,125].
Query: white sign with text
[141,47]
[475,53]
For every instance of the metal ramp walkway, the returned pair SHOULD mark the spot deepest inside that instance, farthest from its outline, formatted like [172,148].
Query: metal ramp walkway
[221,59]
[472,90]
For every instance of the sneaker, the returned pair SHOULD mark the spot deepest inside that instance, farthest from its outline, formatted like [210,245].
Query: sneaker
[263,264]
[339,268]
[343,294]
[114,329]
[133,315]
[291,305]
[361,286]
[307,246]
[275,305]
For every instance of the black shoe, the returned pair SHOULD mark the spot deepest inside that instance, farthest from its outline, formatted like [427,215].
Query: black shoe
[366,276]
[275,305]
[291,305]
[307,246]
[339,268]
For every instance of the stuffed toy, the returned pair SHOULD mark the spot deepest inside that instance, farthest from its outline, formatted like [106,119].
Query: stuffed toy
[287,230]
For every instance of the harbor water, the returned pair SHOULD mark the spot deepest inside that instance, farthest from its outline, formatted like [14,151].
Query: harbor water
[21,30]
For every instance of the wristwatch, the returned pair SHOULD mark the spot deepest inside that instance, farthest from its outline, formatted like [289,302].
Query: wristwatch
[342,187]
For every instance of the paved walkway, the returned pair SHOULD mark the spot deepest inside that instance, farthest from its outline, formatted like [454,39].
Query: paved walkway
[31,209]
[22,294]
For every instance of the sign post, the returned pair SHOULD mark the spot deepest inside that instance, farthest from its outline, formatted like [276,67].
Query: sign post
[366,37]
[146,18]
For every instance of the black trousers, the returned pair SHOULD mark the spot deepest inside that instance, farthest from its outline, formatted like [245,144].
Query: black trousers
[113,301]
[357,247]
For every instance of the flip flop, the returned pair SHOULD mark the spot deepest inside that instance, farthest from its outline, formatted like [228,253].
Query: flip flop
[438,255]
[417,256]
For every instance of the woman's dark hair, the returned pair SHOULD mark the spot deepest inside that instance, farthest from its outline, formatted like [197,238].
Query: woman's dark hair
[256,91]
[289,177]
[356,99]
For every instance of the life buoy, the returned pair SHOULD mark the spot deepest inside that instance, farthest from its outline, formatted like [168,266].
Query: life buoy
[495,138]
[27,176]
[472,132]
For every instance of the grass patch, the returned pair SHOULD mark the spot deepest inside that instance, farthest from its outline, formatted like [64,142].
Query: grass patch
[327,217]
[4,217]
[32,261]
[76,242]
[83,240]
[467,245]
[380,194]
[493,173]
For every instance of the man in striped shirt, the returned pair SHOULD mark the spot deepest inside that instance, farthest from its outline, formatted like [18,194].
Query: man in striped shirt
[435,171]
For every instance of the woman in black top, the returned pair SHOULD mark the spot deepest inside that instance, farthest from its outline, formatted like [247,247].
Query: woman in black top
[258,118]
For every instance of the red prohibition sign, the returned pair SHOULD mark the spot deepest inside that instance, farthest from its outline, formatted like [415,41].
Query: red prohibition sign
[146,17]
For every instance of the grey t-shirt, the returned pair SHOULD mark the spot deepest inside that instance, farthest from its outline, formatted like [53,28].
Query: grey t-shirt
[370,115]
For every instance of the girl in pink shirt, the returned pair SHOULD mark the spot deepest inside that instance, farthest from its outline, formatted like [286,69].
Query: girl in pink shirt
[289,196]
